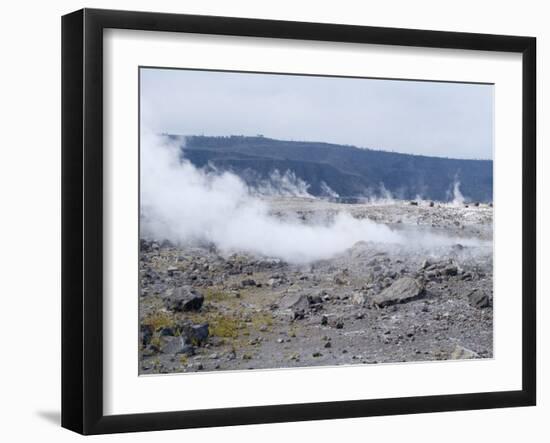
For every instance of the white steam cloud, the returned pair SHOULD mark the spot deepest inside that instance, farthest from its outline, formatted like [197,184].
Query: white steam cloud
[282,185]
[184,204]
[327,191]
[458,197]
[187,205]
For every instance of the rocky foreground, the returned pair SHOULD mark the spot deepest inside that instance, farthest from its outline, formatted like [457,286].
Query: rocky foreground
[202,309]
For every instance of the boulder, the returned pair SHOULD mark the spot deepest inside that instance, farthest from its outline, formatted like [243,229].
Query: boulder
[479,299]
[172,271]
[293,306]
[184,299]
[403,290]
[314,299]
[294,301]
[175,345]
[146,334]
[166,331]
[144,245]
[196,334]
[450,270]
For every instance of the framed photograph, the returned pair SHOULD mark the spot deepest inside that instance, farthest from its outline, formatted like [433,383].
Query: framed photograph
[268,221]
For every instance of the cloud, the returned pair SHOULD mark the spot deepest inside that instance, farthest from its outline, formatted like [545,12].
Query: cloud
[430,118]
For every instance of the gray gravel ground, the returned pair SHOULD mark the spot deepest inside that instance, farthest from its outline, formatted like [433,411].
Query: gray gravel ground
[429,298]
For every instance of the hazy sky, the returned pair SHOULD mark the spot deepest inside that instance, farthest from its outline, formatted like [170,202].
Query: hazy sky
[430,118]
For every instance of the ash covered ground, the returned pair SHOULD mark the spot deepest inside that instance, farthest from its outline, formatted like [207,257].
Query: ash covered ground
[426,296]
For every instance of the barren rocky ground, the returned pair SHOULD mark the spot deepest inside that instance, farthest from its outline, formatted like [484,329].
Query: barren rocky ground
[427,298]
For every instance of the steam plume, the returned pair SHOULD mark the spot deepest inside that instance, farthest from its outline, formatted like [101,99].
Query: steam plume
[187,205]
[283,185]
[458,198]
[184,204]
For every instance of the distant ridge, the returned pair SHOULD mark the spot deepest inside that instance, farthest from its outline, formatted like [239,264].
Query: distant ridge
[347,170]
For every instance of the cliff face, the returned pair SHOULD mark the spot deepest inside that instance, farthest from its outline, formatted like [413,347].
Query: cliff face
[347,170]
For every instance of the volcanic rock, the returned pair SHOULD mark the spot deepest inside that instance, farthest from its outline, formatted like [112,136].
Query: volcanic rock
[146,333]
[294,301]
[175,345]
[403,290]
[479,299]
[195,334]
[184,299]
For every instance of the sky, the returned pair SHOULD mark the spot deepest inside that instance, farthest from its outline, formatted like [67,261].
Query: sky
[430,118]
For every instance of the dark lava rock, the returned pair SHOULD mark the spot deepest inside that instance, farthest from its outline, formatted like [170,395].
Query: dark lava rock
[432,275]
[450,270]
[314,299]
[166,332]
[146,334]
[172,271]
[196,334]
[248,282]
[144,245]
[184,299]
[479,299]
[403,290]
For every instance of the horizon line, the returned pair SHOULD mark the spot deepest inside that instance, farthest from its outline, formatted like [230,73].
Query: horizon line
[262,136]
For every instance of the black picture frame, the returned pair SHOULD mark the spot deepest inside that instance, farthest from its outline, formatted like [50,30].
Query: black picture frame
[82,219]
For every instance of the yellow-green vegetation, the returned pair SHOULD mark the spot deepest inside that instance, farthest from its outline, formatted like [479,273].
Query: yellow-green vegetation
[155,341]
[215,295]
[228,325]
[183,359]
[222,312]
[225,326]
[261,319]
[159,319]
[219,325]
